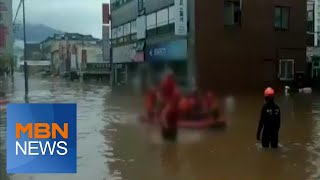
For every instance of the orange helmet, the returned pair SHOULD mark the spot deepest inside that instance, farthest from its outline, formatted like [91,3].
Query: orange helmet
[269,92]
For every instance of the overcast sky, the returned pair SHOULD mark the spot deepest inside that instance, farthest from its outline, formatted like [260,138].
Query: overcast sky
[82,16]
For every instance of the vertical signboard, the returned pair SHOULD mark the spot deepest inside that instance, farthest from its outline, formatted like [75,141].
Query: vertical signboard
[106,43]
[105,13]
[141,27]
[3,28]
[180,17]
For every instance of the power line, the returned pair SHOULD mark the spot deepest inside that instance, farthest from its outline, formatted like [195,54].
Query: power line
[17,12]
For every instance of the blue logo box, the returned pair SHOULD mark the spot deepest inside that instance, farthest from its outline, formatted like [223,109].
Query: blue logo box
[41,138]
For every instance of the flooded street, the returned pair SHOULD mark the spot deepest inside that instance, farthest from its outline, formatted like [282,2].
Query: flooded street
[113,145]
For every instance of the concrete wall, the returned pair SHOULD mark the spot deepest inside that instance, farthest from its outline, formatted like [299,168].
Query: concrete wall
[94,54]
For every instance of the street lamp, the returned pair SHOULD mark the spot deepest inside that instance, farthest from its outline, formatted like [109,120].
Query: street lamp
[25,65]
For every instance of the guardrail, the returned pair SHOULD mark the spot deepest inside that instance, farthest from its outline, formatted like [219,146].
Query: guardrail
[36,63]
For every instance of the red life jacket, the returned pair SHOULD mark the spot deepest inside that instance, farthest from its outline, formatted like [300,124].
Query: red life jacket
[172,110]
[168,86]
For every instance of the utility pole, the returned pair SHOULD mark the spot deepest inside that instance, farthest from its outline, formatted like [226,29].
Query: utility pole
[26,85]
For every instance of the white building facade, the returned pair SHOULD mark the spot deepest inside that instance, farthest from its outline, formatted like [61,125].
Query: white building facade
[71,51]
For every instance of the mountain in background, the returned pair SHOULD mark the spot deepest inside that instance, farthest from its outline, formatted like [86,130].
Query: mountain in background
[35,32]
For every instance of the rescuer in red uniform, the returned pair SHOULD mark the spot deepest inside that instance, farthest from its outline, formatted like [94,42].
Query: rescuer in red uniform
[170,113]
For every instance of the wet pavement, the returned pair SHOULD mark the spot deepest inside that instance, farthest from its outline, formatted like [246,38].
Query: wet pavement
[113,145]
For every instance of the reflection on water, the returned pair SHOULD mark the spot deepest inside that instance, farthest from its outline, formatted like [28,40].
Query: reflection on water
[112,145]
[90,100]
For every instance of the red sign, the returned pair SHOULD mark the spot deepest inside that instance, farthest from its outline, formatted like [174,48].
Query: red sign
[105,13]
[139,57]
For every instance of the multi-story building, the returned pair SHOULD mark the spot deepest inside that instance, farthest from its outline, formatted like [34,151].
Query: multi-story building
[150,33]
[66,51]
[313,38]
[229,44]
[249,44]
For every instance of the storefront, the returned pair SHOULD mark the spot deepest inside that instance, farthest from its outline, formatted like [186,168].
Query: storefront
[168,56]
[313,64]
[122,55]
[126,60]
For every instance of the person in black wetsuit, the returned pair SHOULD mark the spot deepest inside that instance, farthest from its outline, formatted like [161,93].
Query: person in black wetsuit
[269,121]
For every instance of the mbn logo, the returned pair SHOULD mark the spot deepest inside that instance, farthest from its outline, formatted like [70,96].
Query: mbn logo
[41,138]
[42,131]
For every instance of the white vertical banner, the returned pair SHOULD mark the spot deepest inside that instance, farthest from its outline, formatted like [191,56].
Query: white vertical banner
[181,17]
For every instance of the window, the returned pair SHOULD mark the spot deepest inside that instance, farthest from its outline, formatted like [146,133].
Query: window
[232,13]
[126,29]
[310,18]
[120,34]
[120,31]
[152,21]
[134,37]
[286,69]
[162,17]
[114,33]
[171,14]
[281,18]
[133,27]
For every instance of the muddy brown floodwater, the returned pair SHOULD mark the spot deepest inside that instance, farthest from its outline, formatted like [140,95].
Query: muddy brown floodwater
[113,145]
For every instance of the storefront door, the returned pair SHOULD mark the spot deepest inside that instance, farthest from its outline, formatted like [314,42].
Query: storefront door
[121,74]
